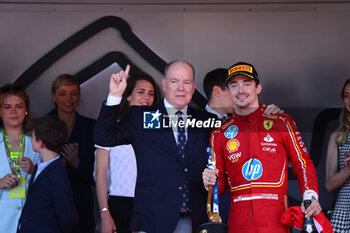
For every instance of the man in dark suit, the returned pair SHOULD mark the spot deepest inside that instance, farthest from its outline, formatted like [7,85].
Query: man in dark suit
[169,194]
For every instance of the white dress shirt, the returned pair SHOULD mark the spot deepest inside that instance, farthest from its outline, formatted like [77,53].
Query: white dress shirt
[174,117]
[209,109]
[43,165]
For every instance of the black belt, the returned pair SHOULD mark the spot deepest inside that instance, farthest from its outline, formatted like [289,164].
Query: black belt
[185,214]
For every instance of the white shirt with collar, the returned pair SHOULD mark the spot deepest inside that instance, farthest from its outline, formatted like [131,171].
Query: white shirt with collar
[43,165]
[171,110]
[209,109]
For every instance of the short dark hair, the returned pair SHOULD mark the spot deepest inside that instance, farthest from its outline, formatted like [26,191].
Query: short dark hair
[51,131]
[213,78]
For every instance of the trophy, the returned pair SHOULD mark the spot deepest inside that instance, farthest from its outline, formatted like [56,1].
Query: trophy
[215,224]
[308,226]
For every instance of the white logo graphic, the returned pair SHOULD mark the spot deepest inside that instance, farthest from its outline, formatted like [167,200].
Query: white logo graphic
[151,120]
[268,138]
[234,157]
[155,115]
[157,120]
[269,149]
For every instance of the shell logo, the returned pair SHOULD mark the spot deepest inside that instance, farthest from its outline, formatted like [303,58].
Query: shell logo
[232,145]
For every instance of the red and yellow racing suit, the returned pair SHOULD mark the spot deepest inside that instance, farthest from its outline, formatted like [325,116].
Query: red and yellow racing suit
[252,155]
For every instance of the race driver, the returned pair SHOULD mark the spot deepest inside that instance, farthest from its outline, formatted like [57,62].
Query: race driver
[252,152]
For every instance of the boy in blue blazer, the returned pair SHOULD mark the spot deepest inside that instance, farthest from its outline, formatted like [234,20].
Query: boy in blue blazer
[49,206]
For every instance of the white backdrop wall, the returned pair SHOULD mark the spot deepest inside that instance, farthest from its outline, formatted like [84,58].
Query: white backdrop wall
[301,51]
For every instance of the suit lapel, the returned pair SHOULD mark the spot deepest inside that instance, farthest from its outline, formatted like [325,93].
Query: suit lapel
[42,174]
[32,178]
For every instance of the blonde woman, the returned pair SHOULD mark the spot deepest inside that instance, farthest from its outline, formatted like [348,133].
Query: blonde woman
[78,152]
[338,165]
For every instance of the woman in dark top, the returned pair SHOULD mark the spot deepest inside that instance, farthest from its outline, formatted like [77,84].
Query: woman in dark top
[78,152]
[116,207]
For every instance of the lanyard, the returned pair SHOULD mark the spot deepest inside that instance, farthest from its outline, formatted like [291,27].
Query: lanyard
[15,155]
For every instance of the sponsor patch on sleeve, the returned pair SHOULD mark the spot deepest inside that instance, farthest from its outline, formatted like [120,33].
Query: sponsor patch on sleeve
[232,145]
[231,132]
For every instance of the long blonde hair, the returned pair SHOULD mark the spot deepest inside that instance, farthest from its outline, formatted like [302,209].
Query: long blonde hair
[344,119]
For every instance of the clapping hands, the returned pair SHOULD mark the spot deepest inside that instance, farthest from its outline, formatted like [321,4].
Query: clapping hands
[70,153]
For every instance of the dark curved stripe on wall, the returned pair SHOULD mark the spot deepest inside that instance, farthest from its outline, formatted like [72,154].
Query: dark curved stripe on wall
[319,131]
[34,71]
[103,63]
[84,34]
[322,123]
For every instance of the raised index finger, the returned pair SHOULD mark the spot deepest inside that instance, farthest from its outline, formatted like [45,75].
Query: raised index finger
[127,70]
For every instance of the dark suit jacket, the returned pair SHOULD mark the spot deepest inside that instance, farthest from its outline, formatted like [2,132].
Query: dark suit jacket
[161,174]
[49,206]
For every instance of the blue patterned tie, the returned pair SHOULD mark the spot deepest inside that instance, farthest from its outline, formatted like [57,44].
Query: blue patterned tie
[181,145]
[181,137]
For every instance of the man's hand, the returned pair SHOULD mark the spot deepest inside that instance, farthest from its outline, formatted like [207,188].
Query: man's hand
[117,83]
[272,109]
[209,177]
[313,210]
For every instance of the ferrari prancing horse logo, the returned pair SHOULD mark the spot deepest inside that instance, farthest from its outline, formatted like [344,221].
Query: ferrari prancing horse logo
[268,124]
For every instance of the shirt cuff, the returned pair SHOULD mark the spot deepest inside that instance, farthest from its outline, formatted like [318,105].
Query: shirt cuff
[103,147]
[309,195]
[113,100]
